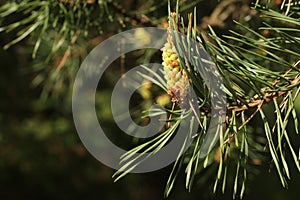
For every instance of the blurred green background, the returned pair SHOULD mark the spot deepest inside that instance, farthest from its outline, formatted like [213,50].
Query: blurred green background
[42,157]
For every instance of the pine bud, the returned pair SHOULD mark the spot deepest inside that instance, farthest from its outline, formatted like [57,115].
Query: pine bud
[175,75]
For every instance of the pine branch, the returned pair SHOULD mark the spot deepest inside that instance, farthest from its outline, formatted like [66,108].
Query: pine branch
[243,62]
[255,61]
[269,96]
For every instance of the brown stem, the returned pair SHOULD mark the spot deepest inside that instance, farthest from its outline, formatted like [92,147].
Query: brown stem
[67,52]
[135,19]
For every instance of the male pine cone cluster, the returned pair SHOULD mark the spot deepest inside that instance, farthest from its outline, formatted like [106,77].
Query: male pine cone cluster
[175,75]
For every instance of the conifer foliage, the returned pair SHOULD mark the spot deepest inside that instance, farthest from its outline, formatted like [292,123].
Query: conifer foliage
[255,51]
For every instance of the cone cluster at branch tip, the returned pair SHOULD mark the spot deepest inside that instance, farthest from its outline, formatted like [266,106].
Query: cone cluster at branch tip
[175,75]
